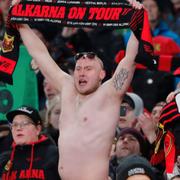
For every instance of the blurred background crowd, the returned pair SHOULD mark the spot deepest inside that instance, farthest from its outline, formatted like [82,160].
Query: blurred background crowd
[148,90]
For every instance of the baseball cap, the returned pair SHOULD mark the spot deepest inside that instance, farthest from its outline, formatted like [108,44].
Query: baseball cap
[135,101]
[133,165]
[25,110]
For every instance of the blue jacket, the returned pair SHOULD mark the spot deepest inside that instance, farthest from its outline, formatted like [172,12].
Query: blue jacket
[163,29]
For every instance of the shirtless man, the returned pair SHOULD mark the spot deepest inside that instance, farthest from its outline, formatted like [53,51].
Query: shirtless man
[90,111]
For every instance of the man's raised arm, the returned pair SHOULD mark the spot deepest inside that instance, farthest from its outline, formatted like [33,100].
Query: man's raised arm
[40,54]
[125,70]
[121,79]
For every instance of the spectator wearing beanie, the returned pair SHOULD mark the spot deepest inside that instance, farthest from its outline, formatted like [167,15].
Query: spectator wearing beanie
[135,167]
[129,142]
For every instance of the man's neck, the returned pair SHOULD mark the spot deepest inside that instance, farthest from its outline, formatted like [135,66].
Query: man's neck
[81,98]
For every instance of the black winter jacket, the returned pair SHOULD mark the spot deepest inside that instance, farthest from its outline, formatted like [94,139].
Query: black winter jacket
[37,160]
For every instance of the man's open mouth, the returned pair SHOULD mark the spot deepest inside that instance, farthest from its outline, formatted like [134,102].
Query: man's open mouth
[82,82]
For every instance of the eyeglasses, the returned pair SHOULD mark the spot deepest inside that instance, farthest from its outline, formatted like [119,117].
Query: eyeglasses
[21,125]
[89,55]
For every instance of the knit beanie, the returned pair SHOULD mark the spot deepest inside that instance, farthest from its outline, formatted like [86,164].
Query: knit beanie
[133,165]
[137,135]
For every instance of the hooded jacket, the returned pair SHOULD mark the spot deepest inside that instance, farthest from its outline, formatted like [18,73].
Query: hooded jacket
[38,160]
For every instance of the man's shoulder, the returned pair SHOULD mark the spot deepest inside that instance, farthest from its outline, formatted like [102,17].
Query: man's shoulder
[108,89]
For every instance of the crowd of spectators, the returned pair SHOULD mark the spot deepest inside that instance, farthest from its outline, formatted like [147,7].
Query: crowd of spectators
[137,132]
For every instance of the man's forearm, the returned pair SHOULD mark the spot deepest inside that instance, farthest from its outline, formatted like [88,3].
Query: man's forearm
[40,54]
[34,45]
[132,47]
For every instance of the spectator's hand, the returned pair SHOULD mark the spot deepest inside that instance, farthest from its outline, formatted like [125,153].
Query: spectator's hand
[135,4]
[68,31]
[170,97]
[109,178]
[136,125]
[14,2]
[34,66]
[148,127]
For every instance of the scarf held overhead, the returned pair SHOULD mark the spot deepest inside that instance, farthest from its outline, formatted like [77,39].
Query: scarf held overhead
[92,14]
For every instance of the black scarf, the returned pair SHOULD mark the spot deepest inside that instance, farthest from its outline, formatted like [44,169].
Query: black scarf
[94,14]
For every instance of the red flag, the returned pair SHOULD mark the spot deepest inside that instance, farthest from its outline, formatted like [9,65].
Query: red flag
[169,149]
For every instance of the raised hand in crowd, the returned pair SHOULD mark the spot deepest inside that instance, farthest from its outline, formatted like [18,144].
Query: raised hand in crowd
[147,126]
[68,31]
[171,95]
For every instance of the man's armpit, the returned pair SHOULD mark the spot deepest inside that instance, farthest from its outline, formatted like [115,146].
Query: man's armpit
[119,78]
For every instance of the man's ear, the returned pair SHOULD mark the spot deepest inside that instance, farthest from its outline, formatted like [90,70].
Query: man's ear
[39,128]
[102,74]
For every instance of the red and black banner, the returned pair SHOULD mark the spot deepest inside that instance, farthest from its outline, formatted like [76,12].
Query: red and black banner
[77,13]
[94,14]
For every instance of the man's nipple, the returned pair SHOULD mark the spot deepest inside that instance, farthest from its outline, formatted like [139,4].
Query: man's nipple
[85,119]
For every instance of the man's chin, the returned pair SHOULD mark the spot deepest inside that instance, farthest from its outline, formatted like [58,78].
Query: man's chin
[124,154]
[20,143]
[85,91]
[122,125]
